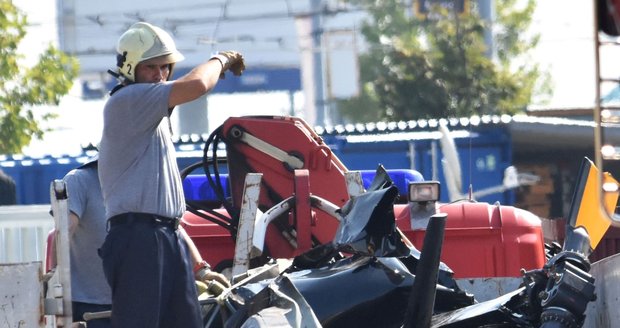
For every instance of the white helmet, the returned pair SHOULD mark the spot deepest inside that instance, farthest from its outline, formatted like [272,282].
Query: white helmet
[144,41]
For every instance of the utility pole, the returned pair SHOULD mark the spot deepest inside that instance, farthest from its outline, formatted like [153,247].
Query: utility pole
[486,10]
[317,34]
[66,26]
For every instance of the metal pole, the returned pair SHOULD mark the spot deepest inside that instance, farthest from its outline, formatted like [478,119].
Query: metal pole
[487,13]
[422,297]
[291,101]
[317,33]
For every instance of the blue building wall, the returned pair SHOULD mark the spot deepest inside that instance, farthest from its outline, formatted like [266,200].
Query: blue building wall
[484,156]
[33,177]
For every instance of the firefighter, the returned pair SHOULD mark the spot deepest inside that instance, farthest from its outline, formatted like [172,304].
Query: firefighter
[146,258]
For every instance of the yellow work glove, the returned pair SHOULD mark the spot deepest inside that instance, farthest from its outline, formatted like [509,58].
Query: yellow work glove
[216,282]
[201,287]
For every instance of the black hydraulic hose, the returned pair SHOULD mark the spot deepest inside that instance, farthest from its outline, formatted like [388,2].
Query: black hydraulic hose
[228,205]
[214,181]
[186,171]
[196,207]
[422,297]
[216,217]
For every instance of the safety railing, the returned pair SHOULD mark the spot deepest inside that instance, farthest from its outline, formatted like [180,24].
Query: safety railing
[23,232]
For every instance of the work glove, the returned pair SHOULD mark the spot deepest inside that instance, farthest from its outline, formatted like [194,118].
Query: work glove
[213,288]
[216,282]
[201,287]
[232,61]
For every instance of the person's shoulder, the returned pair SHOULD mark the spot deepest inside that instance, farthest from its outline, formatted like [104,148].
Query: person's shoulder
[73,174]
[140,87]
[135,91]
[81,173]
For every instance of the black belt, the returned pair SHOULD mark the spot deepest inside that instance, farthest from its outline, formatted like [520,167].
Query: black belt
[130,218]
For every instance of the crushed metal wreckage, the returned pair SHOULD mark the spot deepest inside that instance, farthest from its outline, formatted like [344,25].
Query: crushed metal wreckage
[371,276]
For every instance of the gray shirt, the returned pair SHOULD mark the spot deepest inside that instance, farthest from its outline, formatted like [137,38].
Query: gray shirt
[137,159]
[88,283]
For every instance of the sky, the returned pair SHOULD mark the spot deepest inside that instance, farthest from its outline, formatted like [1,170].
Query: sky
[565,50]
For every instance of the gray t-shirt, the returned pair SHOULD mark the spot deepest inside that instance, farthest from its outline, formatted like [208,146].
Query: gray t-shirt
[88,283]
[137,159]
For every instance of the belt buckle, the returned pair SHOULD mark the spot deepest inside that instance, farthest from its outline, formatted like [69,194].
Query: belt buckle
[176,223]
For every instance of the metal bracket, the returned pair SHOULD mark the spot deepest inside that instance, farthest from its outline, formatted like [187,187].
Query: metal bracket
[247,218]
[58,300]
[266,148]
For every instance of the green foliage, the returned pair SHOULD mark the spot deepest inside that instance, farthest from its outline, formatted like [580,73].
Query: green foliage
[22,88]
[363,108]
[439,66]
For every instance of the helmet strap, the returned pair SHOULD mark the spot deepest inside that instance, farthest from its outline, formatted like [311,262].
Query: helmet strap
[116,88]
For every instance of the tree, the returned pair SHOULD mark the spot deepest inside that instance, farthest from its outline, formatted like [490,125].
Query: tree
[439,66]
[23,88]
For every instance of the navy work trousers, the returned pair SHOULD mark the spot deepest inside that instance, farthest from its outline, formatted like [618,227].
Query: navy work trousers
[148,267]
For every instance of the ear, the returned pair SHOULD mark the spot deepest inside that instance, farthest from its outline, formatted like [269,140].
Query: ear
[171,70]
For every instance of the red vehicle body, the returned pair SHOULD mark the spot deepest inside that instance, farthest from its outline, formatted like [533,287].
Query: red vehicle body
[481,239]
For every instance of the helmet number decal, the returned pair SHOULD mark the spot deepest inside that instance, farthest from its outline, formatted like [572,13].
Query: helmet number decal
[120,62]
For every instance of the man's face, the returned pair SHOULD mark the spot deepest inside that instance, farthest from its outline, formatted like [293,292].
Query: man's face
[152,71]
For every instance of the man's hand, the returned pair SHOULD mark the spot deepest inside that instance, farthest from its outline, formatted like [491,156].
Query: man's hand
[207,275]
[236,64]
[215,281]
[232,61]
